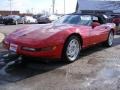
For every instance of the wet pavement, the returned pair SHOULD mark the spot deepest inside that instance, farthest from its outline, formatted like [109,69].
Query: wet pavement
[97,69]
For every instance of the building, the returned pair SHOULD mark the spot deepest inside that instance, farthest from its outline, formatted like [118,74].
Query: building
[98,5]
[5,13]
[26,14]
[107,12]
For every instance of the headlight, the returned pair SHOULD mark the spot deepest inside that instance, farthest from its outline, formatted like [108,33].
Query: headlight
[29,49]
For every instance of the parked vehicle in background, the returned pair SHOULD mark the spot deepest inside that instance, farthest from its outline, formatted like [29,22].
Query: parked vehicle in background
[116,20]
[13,19]
[43,19]
[64,38]
[53,17]
[29,19]
[37,16]
[1,19]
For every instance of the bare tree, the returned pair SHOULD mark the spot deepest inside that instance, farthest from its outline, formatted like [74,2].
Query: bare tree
[53,6]
[28,11]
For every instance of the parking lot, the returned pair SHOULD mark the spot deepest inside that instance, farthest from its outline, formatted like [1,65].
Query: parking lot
[98,68]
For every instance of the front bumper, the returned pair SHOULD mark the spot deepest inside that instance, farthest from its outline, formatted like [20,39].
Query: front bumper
[53,54]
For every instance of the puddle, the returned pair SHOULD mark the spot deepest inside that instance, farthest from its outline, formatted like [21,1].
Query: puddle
[109,73]
[106,79]
[93,61]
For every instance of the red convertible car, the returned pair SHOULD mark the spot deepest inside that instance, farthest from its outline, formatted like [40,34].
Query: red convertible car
[63,38]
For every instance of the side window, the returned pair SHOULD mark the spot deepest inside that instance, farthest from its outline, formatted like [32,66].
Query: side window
[86,20]
[95,19]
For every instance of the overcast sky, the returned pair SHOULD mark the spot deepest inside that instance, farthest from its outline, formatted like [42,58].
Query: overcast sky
[38,5]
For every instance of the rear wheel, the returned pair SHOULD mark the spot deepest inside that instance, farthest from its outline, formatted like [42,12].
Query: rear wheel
[110,39]
[72,49]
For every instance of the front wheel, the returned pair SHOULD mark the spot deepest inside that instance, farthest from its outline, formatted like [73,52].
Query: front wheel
[110,39]
[72,49]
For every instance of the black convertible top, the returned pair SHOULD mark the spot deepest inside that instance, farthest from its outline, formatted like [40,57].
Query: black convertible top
[103,18]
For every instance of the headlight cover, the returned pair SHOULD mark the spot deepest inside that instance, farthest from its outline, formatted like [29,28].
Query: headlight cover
[28,49]
[39,49]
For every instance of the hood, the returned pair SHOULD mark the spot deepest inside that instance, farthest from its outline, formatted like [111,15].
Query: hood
[38,32]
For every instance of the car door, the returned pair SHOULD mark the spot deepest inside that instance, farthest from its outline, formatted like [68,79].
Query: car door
[85,32]
[98,33]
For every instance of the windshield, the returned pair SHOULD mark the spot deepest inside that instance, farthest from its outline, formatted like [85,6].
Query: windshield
[75,19]
[13,16]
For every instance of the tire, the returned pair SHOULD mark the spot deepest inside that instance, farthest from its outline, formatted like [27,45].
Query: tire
[71,50]
[6,23]
[110,39]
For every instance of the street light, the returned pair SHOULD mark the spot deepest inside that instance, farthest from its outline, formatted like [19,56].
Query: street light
[64,7]
[10,6]
[53,6]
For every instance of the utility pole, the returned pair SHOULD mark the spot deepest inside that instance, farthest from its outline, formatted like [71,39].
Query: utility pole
[32,10]
[53,6]
[64,7]
[10,7]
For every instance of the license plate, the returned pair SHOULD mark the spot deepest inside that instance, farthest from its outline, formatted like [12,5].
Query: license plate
[13,47]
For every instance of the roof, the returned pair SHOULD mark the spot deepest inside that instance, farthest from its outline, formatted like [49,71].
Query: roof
[97,5]
[79,13]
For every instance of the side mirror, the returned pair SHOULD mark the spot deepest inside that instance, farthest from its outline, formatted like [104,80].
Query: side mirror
[94,24]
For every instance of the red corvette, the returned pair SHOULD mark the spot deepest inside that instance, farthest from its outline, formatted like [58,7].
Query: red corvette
[63,38]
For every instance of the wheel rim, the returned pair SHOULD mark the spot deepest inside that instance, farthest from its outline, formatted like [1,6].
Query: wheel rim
[73,50]
[111,37]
